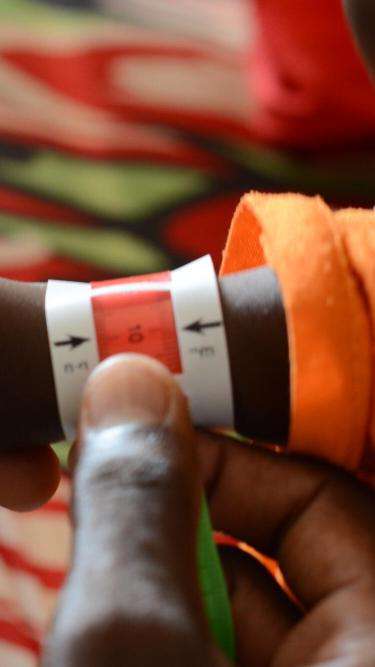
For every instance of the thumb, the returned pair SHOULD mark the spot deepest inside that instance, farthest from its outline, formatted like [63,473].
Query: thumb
[132,596]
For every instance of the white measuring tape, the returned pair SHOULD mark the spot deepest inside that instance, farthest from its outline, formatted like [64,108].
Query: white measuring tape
[175,317]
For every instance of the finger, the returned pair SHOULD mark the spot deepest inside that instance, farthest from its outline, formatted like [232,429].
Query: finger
[263,615]
[316,520]
[132,596]
[28,477]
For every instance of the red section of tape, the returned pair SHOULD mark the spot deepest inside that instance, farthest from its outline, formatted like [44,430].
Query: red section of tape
[130,318]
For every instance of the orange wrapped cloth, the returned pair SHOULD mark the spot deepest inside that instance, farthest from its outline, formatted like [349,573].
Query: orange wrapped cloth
[325,263]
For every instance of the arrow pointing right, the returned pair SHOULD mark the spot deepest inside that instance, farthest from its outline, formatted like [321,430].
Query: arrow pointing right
[73,341]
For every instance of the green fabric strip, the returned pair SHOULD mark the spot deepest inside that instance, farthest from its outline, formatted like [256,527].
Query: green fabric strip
[214,589]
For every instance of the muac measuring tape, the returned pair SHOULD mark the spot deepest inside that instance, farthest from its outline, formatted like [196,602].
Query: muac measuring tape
[175,317]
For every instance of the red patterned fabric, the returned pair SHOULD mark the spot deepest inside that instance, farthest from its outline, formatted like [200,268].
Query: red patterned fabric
[310,83]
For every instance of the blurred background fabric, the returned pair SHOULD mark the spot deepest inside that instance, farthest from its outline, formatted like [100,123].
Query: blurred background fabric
[126,136]
[114,120]
[129,129]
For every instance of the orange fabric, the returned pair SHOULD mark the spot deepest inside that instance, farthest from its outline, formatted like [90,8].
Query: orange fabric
[357,228]
[326,279]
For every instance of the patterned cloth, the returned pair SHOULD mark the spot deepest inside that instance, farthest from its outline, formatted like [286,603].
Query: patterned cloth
[125,144]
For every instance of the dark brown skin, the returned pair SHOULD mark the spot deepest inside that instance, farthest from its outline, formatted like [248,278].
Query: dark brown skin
[258,351]
[254,320]
[257,341]
[132,596]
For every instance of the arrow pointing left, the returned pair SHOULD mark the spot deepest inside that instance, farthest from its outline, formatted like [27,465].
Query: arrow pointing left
[199,327]
[73,341]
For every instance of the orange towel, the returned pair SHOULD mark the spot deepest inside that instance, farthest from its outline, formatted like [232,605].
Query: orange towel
[325,264]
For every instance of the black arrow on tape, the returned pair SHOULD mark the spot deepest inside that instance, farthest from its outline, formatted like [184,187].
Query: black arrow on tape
[73,341]
[199,327]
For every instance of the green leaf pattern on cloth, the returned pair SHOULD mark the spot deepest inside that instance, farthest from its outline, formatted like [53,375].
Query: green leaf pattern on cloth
[110,189]
[108,249]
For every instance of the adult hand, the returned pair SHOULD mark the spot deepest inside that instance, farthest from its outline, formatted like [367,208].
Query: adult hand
[132,596]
